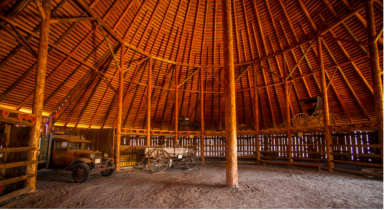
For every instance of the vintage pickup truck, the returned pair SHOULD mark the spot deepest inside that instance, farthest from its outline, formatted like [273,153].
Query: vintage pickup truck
[76,155]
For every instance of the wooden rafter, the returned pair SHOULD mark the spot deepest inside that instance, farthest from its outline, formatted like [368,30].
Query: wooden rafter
[149,23]
[20,39]
[348,56]
[346,81]
[255,72]
[70,20]
[194,30]
[307,15]
[76,70]
[139,26]
[134,19]
[160,28]
[29,37]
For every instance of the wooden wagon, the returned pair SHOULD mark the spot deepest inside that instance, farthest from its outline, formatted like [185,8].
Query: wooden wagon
[159,159]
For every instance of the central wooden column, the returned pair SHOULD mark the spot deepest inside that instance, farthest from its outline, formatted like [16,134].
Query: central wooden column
[119,115]
[325,104]
[230,115]
[176,108]
[202,118]
[37,106]
[148,140]
[287,106]
[256,123]
[376,72]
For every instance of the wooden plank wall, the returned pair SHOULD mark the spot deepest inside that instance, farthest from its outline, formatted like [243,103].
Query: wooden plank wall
[102,139]
[357,148]
[19,138]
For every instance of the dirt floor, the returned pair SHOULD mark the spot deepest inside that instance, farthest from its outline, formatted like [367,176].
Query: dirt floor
[204,187]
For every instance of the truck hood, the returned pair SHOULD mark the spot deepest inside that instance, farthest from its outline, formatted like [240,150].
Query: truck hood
[80,151]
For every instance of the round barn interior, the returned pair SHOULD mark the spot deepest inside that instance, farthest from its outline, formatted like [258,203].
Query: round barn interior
[191,98]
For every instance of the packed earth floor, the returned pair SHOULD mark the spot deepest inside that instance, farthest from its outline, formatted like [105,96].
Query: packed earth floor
[203,187]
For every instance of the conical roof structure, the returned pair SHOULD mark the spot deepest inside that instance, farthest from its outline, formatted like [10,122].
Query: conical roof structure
[271,39]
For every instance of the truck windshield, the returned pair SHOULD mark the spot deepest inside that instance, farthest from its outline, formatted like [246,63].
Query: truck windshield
[79,145]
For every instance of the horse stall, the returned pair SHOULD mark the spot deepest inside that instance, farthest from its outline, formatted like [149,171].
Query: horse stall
[15,129]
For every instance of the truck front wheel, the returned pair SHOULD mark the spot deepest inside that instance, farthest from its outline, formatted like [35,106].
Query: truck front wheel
[109,172]
[81,172]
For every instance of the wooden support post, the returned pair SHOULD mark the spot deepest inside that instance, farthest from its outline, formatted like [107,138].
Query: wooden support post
[37,106]
[376,72]
[231,118]
[176,107]
[148,140]
[202,118]
[256,118]
[119,115]
[325,104]
[287,105]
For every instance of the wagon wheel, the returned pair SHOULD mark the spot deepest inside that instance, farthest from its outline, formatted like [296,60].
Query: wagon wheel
[317,119]
[141,163]
[334,119]
[282,125]
[191,160]
[301,120]
[158,160]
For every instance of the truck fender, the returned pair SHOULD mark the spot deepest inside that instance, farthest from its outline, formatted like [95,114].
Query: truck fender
[106,160]
[80,160]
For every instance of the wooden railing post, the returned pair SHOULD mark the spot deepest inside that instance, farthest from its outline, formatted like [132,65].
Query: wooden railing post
[202,118]
[325,105]
[256,124]
[230,115]
[376,72]
[37,106]
[7,132]
[148,140]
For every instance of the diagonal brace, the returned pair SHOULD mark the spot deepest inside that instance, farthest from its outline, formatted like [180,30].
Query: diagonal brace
[303,56]
[197,69]
[243,73]
[331,79]
[214,77]
[109,46]
[20,39]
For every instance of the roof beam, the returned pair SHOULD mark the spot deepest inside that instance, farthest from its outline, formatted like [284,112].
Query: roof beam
[133,97]
[305,41]
[160,95]
[129,86]
[307,15]
[101,101]
[70,20]
[160,28]
[165,79]
[348,57]
[74,72]
[360,18]
[148,24]
[346,80]
[66,101]
[194,31]
[123,15]
[74,110]
[29,37]
[20,39]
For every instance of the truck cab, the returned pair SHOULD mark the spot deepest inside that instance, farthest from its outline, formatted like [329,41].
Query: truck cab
[76,155]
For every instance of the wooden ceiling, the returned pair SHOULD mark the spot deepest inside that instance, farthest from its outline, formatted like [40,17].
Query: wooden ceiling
[189,34]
